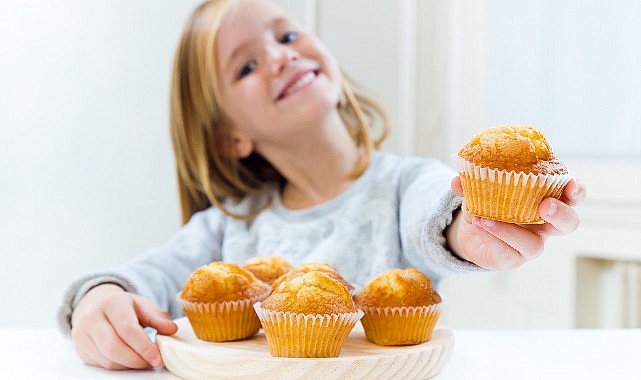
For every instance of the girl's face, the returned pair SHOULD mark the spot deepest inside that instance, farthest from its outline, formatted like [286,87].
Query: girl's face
[275,79]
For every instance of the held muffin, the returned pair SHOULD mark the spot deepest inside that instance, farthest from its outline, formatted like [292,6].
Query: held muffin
[267,268]
[401,308]
[307,267]
[218,301]
[506,171]
[308,316]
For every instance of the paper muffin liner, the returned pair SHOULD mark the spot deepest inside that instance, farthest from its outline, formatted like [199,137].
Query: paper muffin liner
[306,335]
[223,321]
[507,195]
[400,326]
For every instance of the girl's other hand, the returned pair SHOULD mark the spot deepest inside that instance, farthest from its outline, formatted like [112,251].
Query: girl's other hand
[503,246]
[108,329]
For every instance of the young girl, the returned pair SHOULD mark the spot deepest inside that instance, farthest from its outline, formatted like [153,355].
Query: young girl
[275,157]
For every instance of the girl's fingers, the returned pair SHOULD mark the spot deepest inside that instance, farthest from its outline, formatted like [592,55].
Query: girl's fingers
[97,343]
[508,245]
[491,253]
[131,345]
[100,360]
[150,315]
[573,193]
[108,329]
[116,352]
[560,217]
[456,186]
[88,352]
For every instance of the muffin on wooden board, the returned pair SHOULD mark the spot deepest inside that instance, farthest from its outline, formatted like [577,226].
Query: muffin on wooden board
[319,266]
[308,316]
[506,171]
[218,301]
[400,306]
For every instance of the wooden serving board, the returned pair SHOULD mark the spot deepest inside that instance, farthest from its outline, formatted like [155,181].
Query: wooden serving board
[191,358]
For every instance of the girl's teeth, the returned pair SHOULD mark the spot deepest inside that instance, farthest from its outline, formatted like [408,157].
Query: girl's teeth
[305,79]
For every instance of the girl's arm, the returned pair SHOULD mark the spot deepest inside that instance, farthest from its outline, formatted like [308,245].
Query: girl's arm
[427,207]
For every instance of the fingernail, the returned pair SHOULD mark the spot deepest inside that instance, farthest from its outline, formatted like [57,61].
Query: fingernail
[156,363]
[551,209]
[577,190]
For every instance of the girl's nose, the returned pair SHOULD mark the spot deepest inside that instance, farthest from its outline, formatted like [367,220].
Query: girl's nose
[279,56]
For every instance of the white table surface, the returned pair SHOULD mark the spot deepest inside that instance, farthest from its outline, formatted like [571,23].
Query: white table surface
[43,353]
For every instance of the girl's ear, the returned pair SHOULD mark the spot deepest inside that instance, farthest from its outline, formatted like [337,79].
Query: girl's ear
[241,144]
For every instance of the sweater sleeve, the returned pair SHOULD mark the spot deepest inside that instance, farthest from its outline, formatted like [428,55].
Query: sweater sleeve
[427,207]
[159,273]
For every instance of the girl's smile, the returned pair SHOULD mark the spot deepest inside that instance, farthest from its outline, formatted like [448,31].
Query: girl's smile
[299,80]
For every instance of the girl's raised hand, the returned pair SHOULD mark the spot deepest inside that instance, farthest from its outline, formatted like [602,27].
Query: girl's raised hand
[503,246]
[108,329]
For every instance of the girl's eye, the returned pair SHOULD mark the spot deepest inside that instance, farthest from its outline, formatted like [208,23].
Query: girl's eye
[288,37]
[246,69]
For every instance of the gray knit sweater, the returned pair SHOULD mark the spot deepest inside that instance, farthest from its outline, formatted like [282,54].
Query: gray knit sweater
[393,216]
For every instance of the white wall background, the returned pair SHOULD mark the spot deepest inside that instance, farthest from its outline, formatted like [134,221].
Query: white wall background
[572,68]
[86,170]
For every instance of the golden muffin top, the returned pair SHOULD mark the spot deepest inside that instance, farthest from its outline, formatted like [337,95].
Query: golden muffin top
[512,147]
[307,267]
[220,281]
[399,287]
[267,269]
[314,292]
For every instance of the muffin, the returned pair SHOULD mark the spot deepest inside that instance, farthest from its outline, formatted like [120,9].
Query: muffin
[322,267]
[506,171]
[217,299]
[308,316]
[267,269]
[400,307]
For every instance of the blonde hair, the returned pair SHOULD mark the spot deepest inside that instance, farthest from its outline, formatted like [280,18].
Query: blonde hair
[207,174]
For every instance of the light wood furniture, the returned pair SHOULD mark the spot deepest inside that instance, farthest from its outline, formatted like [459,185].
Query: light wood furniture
[188,357]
